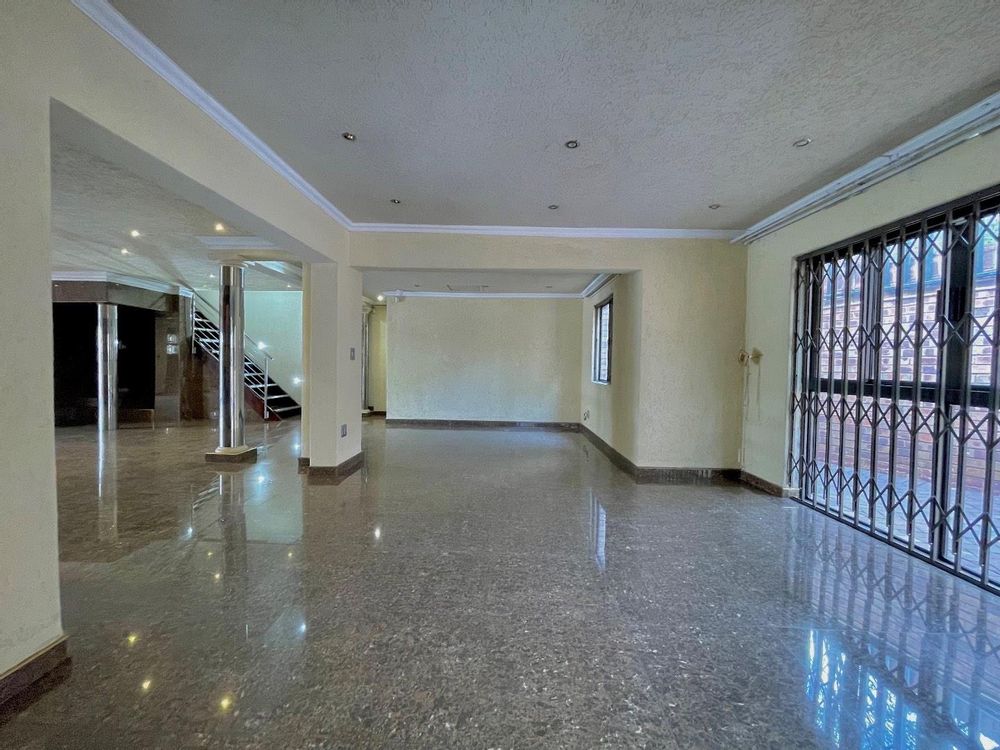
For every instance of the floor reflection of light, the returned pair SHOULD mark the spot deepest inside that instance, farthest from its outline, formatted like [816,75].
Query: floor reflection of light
[377,532]
[598,532]
[146,685]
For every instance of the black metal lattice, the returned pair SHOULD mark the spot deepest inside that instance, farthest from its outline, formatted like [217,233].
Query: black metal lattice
[894,425]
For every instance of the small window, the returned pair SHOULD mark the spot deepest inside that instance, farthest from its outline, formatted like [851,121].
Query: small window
[602,342]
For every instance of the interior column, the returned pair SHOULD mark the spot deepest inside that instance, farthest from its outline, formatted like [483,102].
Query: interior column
[107,367]
[232,415]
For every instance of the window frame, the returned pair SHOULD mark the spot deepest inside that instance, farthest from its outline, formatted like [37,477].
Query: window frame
[607,302]
[940,402]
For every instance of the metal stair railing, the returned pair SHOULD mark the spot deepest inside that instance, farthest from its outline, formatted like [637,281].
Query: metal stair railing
[209,339]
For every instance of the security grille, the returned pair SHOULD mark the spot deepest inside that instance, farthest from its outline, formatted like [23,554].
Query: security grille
[894,425]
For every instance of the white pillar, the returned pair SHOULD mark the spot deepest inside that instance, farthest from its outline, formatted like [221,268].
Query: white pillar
[333,400]
[29,557]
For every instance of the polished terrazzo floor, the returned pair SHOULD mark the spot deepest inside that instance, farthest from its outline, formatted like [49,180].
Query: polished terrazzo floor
[486,589]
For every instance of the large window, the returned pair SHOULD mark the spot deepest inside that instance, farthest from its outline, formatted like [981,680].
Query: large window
[894,424]
[602,341]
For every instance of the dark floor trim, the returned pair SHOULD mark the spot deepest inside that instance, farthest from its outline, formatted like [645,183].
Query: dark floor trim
[614,456]
[370,414]
[752,480]
[22,684]
[658,474]
[303,464]
[334,474]
[641,474]
[482,424]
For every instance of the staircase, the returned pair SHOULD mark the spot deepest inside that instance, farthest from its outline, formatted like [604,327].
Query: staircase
[269,397]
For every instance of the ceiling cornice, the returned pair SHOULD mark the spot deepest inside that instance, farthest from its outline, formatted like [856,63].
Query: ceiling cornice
[569,232]
[235,242]
[596,283]
[110,277]
[120,28]
[976,120]
[486,295]
[969,123]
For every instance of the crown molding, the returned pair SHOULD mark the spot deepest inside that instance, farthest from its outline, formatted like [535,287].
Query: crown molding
[566,232]
[114,23]
[398,293]
[596,283]
[110,277]
[234,242]
[967,124]
[975,120]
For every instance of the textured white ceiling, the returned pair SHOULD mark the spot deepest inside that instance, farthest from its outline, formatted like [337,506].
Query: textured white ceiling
[461,107]
[486,282]
[96,204]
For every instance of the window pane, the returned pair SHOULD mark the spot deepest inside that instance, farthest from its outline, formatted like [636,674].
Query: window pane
[602,340]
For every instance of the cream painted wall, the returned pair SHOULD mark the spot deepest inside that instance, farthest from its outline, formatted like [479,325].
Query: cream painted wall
[332,294]
[275,318]
[609,410]
[50,51]
[505,360]
[378,341]
[973,166]
[692,303]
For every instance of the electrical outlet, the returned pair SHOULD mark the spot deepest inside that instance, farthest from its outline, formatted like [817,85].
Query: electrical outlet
[352,353]
[343,430]
[586,415]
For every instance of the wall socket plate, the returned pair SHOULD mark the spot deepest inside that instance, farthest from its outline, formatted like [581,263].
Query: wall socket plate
[352,353]
[343,430]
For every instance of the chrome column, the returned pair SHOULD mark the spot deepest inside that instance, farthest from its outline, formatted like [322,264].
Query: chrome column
[231,410]
[107,367]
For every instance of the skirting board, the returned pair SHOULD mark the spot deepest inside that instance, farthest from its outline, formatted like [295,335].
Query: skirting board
[658,474]
[752,480]
[482,424]
[20,685]
[332,474]
[641,474]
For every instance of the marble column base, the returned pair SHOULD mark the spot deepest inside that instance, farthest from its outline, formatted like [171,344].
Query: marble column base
[242,454]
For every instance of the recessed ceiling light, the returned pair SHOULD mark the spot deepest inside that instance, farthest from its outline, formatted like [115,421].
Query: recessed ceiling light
[715,206]
[553,207]
[802,142]
[395,201]
[349,136]
[125,251]
[572,144]
[220,227]
[381,298]
[135,233]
